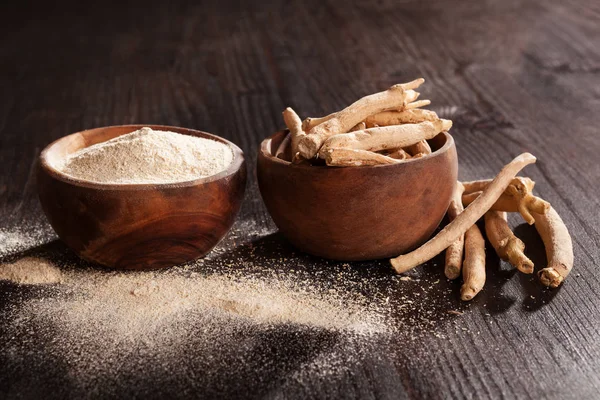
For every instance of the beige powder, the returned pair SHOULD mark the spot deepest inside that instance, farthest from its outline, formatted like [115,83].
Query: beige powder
[148,156]
[124,305]
[235,310]
[30,271]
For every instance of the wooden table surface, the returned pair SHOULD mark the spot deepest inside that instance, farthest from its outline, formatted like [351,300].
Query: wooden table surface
[513,75]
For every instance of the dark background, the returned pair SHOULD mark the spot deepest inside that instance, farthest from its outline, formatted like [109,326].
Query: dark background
[514,76]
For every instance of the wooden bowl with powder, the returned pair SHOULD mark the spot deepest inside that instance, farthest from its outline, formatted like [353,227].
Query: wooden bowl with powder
[146,202]
[358,213]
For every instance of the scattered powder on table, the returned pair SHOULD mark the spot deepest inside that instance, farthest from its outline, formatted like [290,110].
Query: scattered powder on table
[211,321]
[16,239]
[148,156]
[98,322]
[30,271]
[134,304]
[243,311]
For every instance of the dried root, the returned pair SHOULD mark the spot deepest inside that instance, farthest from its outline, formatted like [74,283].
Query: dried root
[526,202]
[464,220]
[344,120]
[478,186]
[409,101]
[473,270]
[559,248]
[356,158]
[361,126]
[417,104]
[516,198]
[385,137]
[294,124]
[508,247]
[387,118]
[311,122]
[419,149]
[410,98]
[399,154]
[454,253]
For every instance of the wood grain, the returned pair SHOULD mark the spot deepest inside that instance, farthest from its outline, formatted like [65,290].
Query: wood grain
[514,76]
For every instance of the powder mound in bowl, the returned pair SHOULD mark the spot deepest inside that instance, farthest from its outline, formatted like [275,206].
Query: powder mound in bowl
[31,271]
[148,156]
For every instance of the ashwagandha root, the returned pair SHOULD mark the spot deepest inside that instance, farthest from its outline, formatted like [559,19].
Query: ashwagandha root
[473,269]
[387,118]
[294,124]
[417,104]
[478,186]
[508,247]
[410,97]
[398,154]
[516,198]
[344,120]
[356,158]
[526,202]
[559,248]
[464,220]
[454,253]
[361,126]
[419,149]
[385,137]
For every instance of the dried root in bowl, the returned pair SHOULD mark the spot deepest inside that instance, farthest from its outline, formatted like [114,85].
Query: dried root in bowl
[378,123]
[344,120]
[294,124]
[387,118]
[340,157]
[419,149]
[385,137]
[409,101]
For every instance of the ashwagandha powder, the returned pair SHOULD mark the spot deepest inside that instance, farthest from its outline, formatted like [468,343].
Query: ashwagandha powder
[148,156]
[243,311]
[30,271]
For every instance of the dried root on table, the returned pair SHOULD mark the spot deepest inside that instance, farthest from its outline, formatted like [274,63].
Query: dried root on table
[454,253]
[491,199]
[507,245]
[473,270]
[516,198]
[559,248]
[455,229]
[383,128]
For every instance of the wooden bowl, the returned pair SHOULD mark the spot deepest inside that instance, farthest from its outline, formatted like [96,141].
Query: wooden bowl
[358,213]
[146,226]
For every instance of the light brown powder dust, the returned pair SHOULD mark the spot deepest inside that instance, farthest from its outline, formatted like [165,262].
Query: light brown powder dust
[30,270]
[148,156]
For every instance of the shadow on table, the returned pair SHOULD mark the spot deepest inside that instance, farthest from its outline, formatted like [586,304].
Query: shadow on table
[422,293]
[537,294]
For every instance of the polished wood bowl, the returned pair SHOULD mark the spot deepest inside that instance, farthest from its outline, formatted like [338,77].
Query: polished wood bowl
[145,226]
[358,213]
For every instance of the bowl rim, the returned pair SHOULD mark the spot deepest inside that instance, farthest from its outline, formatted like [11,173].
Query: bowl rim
[232,168]
[264,151]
